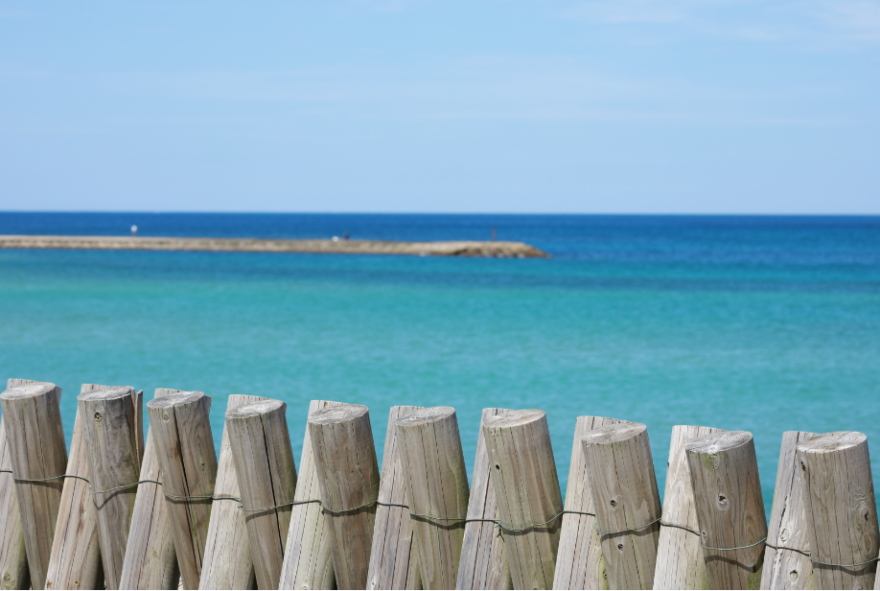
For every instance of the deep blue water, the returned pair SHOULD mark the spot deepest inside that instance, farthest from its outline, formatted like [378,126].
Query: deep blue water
[764,324]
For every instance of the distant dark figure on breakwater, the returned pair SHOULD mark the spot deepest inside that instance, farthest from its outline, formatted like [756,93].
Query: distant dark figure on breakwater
[345,235]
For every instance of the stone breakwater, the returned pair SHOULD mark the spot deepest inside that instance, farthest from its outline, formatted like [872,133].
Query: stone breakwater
[474,248]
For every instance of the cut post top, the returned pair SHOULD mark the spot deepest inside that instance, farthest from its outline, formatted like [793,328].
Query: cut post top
[718,442]
[30,390]
[106,393]
[425,416]
[338,414]
[175,399]
[254,409]
[613,433]
[831,442]
[514,418]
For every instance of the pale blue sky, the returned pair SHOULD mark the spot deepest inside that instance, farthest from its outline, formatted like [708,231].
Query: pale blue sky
[604,106]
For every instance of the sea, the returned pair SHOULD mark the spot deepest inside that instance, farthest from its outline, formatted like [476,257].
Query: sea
[764,324]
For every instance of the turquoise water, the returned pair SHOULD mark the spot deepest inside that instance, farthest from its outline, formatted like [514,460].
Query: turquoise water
[760,324]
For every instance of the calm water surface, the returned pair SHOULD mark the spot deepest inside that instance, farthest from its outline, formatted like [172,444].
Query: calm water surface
[764,324]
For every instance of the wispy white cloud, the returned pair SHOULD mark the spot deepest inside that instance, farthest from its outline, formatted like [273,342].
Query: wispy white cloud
[859,19]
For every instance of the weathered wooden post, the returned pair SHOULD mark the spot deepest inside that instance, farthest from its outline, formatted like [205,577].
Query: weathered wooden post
[783,568]
[483,562]
[730,508]
[393,560]
[181,429]
[266,476]
[75,562]
[109,426]
[528,495]
[308,563]
[227,563]
[841,510]
[627,502]
[348,472]
[13,558]
[35,439]
[580,564]
[680,562]
[150,561]
[437,491]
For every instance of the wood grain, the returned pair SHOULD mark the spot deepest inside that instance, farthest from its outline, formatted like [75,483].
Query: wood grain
[150,560]
[35,440]
[680,562]
[528,494]
[436,483]
[227,563]
[13,557]
[266,475]
[841,509]
[393,560]
[111,434]
[308,563]
[75,562]
[483,556]
[787,569]
[580,564]
[627,502]
[181,428]
[730,507]
[348,472]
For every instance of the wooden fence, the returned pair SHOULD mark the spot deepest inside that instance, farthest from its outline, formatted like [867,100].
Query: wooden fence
[123,510]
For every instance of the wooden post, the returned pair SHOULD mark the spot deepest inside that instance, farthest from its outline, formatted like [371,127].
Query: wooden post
[393,560]
[730,508]
[680,562]
[437,486]
[345,459]
[627,502]
[580,564]
[13,558]
[35,439]
[266,476]
[75,562]
[228,563]
[181,427]
[483,557]
[308,563]
[528,495]
[787,569]
[110,434]
[841,509]
[150,561]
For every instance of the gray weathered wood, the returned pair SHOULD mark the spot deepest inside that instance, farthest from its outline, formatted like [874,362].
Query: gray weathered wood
[110,433]
[228,563]
[266,476]
[35,440]
[841,510]
[181,428]
[150,561]
[393,560]
[627,502]
[308,563]
[437,486]
[528,495]
[680,562]
[730,508]
[483,562]
[75,562]
[348,472]
[580,564]
[788,569]
[13,557]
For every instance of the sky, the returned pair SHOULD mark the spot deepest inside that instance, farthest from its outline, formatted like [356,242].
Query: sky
[601,106]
